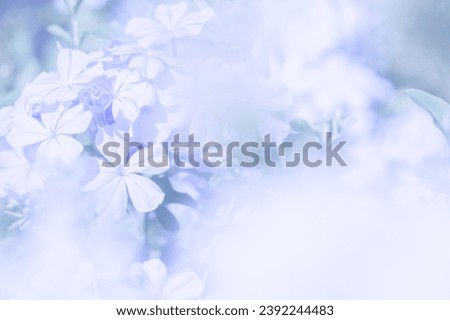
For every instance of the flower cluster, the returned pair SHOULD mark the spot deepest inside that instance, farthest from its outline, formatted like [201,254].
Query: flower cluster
[66,115]
[52,138]
[55,130]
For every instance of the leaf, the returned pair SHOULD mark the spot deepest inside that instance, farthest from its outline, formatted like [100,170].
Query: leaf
[69,5]
[167,219]
[300,125]
[435,106]
[59,32]
[73,5]
[83,37]
[77,5]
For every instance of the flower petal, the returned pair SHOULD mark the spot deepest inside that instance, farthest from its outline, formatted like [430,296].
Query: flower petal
[70,64]
[139,164]
[59,151]
[185,285]
[145,195]
[147,31]
[108,192]
[89,74]
[26,131]
[150,276]
[18,173]
[6,119]
[169,15]
[74,120]
[46,88]
[192,24]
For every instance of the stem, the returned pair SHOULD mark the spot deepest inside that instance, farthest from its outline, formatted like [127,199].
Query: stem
[447,169]
[146,235]
[75,31]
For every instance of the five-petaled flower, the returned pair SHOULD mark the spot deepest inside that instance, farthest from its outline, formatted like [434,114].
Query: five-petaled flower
[75,71]
[53,133]
[171,21]
[112,187]
[153,280]
[18,174]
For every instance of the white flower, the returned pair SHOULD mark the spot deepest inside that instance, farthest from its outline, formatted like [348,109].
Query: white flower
[171,21]
[130,94]
[6,119]
[152,278]
[148,62]
[56,146]
[17,173]
[111,188]
[74,73]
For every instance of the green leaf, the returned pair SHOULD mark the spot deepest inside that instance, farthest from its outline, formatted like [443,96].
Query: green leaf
[59,32]
[69,5]
[83,37]
[435,106]
[73,6]
[167,219]
[301,126]
[99,35]
[77,5]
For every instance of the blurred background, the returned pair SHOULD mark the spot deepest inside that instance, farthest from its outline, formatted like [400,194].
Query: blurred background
[377,229]
[404,41]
